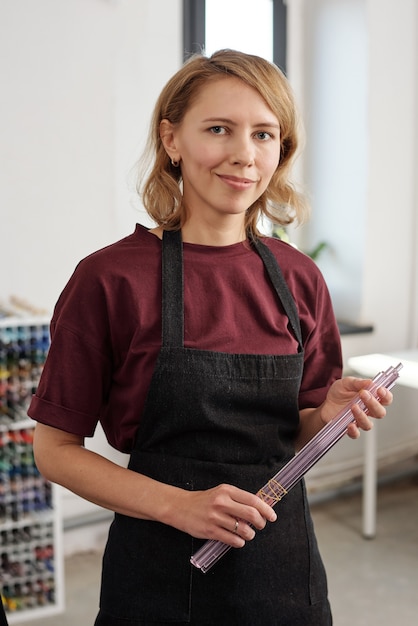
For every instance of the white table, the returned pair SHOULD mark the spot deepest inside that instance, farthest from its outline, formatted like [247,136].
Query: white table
[368,366]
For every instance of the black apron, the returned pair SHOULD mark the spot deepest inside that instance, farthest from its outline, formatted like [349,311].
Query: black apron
[214,418]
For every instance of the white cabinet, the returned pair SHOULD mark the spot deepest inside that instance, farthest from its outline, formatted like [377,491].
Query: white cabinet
[31,570]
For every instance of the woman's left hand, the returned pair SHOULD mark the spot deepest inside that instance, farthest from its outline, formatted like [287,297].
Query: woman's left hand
[343,391]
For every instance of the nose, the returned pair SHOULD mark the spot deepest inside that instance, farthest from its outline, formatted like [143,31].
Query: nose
[242,151]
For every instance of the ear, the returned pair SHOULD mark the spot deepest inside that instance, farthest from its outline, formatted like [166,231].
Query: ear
[167,135]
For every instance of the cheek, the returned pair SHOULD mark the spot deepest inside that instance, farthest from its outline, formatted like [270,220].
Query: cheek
[269,157]
[204,158]
[275,156]
[271,164]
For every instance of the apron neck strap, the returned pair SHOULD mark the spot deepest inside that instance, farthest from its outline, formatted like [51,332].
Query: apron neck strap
[172,289]
[280,286]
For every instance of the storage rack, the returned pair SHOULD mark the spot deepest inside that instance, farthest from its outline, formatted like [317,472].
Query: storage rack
[31,570]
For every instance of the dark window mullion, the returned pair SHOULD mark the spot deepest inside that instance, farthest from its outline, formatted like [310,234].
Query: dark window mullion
[279,33]
[194,12]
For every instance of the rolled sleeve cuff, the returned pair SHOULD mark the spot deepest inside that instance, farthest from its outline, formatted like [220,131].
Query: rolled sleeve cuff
[61,417]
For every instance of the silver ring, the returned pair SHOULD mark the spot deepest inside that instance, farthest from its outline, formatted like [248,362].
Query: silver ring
[236,526]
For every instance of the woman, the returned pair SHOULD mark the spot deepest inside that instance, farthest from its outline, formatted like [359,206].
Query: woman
[210,378]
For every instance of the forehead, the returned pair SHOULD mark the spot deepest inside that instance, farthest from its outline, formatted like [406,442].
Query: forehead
[229,94]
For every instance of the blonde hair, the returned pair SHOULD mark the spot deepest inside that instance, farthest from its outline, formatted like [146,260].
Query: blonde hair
[161,192]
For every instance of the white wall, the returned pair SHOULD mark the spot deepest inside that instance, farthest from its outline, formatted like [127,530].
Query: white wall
[391,232]
[78,81]
[335,69]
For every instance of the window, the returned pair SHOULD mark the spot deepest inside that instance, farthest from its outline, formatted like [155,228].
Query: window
[254,27]
[335,172]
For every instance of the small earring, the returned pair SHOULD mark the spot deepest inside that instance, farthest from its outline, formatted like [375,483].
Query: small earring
[175,163]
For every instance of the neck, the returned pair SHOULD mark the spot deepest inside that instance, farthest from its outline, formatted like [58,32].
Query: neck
[213,234]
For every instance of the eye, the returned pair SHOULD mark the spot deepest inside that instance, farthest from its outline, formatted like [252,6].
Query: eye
[264,135]
[217,130]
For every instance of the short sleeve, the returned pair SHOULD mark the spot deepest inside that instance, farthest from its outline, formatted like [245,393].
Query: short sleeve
[322,348]
[76,375]
[73,385]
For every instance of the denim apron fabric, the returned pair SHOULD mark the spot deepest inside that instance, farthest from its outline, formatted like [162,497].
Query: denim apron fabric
[214,418]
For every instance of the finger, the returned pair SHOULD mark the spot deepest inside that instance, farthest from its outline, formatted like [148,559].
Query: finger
[363,421]
[353,383]
[255,515]
[353,431]
[375,408]
[385,396]
[235,532]
[252,509]
[382,395]
[242,529]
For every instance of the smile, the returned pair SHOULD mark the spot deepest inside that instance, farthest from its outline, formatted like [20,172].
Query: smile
[235,182]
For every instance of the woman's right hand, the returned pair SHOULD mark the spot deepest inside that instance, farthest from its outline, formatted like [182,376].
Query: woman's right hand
[214,513]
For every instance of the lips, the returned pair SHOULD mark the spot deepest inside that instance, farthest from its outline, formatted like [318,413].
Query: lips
[236,182]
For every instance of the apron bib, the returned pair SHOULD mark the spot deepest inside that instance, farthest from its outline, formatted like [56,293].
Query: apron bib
[211,418]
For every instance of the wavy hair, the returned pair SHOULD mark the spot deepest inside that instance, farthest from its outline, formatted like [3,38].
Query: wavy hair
[161,191]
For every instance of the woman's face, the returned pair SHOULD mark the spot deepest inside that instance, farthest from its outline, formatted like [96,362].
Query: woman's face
[229,147]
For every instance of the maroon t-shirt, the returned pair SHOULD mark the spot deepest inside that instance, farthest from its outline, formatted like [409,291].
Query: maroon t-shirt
[106,328]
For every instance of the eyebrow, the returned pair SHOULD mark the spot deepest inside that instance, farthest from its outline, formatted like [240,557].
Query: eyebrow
[225,120]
